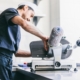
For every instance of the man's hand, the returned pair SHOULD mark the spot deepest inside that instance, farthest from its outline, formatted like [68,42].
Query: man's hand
[45,41]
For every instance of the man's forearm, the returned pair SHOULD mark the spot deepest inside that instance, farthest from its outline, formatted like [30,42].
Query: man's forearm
[22,53]
[29,27]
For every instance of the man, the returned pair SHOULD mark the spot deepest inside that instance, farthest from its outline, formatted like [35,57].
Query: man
[10,22]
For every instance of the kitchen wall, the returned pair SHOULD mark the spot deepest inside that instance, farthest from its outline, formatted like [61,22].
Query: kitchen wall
[43,25]
[64,13]
[70,21]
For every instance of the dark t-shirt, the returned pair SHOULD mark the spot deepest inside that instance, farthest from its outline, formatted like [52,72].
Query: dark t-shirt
[9,32]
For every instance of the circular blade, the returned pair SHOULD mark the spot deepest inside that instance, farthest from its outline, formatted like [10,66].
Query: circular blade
[64,56]
[66,52]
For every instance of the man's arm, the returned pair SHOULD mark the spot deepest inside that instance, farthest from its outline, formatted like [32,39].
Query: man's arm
[22,53]
[30,28]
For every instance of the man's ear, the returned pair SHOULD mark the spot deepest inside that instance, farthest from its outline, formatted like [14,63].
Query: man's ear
[25,8]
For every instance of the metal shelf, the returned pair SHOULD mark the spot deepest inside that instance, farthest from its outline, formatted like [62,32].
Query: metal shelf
[37,17]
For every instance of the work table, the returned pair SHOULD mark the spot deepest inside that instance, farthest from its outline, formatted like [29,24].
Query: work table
[25,74]
[48,75]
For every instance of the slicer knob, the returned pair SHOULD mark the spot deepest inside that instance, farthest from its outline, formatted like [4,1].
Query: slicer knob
[78,42]
[57,64]
[75,69]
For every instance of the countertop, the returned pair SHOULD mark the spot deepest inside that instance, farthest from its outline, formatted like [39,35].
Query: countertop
[53,75]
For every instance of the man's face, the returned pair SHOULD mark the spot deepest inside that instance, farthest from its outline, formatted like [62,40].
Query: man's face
[28,14]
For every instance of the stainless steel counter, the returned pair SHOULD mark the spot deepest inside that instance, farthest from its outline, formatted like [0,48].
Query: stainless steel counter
[55,75]
[60,75]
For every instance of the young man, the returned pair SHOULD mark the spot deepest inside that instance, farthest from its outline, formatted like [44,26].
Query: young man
[10,22]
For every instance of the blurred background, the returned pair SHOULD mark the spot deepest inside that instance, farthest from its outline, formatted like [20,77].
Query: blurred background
[64,13]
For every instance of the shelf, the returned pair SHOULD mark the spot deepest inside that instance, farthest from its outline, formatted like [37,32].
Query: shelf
[38,16]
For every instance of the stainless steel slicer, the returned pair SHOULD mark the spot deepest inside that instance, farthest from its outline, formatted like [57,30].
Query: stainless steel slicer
[57,55]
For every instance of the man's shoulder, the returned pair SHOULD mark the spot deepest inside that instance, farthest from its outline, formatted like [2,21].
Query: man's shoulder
[11,10]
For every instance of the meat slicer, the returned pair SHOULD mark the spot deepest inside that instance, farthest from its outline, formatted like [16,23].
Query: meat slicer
[59,50]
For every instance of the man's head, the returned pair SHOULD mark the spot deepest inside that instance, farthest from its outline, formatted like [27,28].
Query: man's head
[28,10]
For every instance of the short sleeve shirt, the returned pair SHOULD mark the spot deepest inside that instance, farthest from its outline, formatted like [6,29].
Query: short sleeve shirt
[9,32]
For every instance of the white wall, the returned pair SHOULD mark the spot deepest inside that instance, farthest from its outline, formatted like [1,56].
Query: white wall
[64,13]
[54,13]
[26,38]
[43,25]
[10,3]
[70,21]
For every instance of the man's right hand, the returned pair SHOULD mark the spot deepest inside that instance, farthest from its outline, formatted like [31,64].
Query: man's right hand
[45,41]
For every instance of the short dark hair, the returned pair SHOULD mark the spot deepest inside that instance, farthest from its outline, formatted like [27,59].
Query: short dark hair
[20,7]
